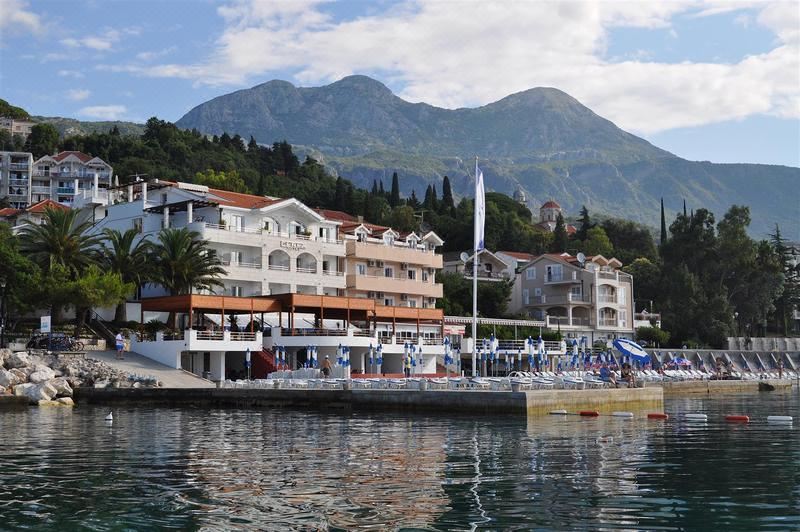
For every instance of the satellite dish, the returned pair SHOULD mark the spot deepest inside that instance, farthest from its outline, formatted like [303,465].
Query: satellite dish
[581,258]
[464,257]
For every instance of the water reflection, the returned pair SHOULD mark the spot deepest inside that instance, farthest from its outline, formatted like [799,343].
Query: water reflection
[282,469]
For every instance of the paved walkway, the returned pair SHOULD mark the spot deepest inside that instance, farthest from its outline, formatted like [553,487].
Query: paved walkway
[141,365]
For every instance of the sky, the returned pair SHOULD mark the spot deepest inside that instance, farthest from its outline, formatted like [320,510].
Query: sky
[707,80]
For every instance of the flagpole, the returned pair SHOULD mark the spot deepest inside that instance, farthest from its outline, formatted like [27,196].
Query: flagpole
[475,279]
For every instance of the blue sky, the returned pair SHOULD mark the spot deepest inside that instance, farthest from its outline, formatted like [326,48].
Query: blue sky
[713,80]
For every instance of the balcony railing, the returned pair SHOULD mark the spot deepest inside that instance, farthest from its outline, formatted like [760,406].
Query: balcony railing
[18,166]
[313,332]
[305,270]
[332,273]
[606,299]
[279,267]
[40,190]
[18,182]
[65,190]
[608,322]
[210,335]
[253,265]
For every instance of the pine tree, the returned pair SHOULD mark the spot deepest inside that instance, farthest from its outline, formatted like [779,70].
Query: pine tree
[374,187]
[586,224]
[790,296]
[560,237]
[366,209]
[684,207]
[394,198]
[434,198]
[429,201]
[340,199]
[447,196]
[663,224]
[413,201]
[381,192]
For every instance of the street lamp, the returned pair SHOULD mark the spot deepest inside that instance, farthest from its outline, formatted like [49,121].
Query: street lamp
[738,328]
[3,313]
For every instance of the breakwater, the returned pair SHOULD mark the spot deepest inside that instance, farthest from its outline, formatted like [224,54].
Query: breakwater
[724,386]
[536,402]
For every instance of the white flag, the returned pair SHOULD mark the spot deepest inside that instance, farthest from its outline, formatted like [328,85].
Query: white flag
[480,208]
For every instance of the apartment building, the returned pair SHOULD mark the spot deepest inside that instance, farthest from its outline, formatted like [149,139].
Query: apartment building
[491,267]
[16,126]
[15,178]
[592,298]
[64,175]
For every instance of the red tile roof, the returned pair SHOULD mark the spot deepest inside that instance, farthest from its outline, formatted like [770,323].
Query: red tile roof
[43,205]
[244,201]
[519,255]
[79,154]
[9,211]
[551,205]
[336,215]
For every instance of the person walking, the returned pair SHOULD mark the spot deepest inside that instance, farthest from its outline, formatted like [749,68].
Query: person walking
[407,366]
[326,367]
[120,344]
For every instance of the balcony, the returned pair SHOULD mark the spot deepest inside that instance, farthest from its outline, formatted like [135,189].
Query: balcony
[18,182]
[40,190]
[561,299]
[612,299]
[65,190]
[565,322]
[242,264]
[486,276]
[380,251]
[608,322]
[393,285]
[19,166]
[568,277]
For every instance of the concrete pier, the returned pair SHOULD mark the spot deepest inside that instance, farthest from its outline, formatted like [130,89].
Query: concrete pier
[451,402]
[12,402]
[672,389]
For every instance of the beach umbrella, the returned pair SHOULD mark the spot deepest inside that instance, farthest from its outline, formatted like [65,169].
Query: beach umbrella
[339,355]
[631,349]
[379,357]
[421,361]
[680,361]
[370,353]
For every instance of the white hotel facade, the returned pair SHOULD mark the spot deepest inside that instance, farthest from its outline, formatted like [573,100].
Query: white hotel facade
[373,285]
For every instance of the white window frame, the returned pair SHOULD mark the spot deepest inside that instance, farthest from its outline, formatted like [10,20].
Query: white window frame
[412,274]
[361,268]
[530,273]
[526,296]
[388,271]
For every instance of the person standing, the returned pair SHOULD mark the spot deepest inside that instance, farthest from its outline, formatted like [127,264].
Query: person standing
[120,344]
[407,366]
[326,367]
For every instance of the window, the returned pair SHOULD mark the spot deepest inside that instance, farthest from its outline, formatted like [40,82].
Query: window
[237,291]
[412,303]
[555,273]
[137,224]
[526,296]
[388,239]
[237,222]
[389,301]
[236,257]
[163,199]
[530,273]
[361,269]
[623,318]
[537,292]
[388,272]
[621,293]
[412,274]
[575,293]
[361,237]
[424,276]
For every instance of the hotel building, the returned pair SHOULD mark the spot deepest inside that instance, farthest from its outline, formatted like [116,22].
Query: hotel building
[15,178]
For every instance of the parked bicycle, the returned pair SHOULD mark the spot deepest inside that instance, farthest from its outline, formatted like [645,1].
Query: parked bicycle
[58,342]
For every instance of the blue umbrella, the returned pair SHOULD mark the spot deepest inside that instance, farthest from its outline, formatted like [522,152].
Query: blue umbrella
[631,349]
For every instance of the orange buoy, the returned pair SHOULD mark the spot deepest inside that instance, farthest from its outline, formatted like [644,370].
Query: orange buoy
[589,413]
[741,419]
[657,415]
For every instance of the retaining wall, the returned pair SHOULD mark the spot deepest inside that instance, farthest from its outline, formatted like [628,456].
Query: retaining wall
[716,387]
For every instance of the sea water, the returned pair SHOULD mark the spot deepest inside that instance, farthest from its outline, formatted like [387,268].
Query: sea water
[282,469]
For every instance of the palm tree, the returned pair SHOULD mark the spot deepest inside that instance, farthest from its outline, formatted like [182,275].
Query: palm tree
[182,262]
[61,240]
[122,254]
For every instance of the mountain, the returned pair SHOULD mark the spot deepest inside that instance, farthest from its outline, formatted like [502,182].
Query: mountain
[69,126]
[541,140]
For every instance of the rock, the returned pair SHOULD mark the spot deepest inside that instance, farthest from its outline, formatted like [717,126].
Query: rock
[2,390]
[42,374]
[47,402]
[4,354]
[66,401]
[74,382]
[8,379]
[21,390]
[21,375]
[62,387]
[35,392]
[101,384]
[17,360]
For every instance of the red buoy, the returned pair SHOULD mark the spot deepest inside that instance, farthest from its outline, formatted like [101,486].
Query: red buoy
[657,415]
[589,413]
[740,419]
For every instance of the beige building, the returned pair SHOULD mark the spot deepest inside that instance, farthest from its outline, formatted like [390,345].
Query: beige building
[15,126]
[491,267]
[65,175]
[590,299]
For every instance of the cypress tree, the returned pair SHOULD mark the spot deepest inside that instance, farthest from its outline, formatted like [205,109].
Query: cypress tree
[586,224]
[366,208]
[381,192]
[663,224]
[447,195]
[340,199]
[394,198]
[560,237]
[374,187]
[684,207]
[428,202]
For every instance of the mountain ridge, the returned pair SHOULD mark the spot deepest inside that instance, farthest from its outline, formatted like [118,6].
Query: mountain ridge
[540,140]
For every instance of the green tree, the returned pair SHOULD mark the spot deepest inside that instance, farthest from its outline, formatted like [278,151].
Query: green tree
[597,243]
[60,240]
[222,180]
[21,276]
[646,279]
[183,262]
[394,198]
[585,224]
[790,297]
[654,336]
[663,225]
[447,204]
[402,219]
[493,296]
[560,237]
[125,254]
[95,288]
[630,240]
[43,140]
[340,198]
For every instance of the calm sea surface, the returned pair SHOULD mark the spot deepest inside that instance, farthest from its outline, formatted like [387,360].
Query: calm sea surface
[192,469]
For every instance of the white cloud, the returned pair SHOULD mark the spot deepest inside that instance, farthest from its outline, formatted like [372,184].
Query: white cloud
[15,17]
[78,95]
[66,73]
[478,52]
[155,54]
[104,112]
[102,42]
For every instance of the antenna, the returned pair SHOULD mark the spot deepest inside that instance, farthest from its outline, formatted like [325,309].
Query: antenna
[464,256]
[581,258]
[136,177]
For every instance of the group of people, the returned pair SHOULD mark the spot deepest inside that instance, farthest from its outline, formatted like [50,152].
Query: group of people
[626,375]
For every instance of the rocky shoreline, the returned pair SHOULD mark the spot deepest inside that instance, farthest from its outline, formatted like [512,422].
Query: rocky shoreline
[48,379]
